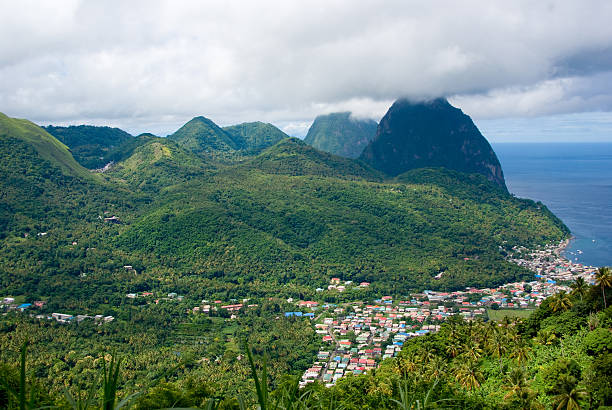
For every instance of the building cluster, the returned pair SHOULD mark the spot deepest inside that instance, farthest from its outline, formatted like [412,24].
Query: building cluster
[8,304]
[357,337]
[549,265]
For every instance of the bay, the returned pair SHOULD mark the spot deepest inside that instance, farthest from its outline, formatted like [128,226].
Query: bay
[574,180]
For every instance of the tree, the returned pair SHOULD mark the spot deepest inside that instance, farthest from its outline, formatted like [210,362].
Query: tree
[603,278]
[521,352]
[561,302]
[598,342]
[497,346]
[518,390]
[468,374]
[579,287]
[570,395]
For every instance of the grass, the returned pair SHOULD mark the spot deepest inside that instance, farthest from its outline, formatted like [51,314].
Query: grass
[501,313]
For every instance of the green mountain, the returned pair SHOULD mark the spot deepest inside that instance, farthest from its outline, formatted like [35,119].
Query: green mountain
[291,208]
[295,214]
[91,146]
[201,135]
[431,134]
[156,163]
[292,156]
[341,134]
[254,137]
[45,145]
[40,181]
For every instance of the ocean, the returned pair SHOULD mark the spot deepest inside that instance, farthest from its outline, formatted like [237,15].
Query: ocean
[574,180]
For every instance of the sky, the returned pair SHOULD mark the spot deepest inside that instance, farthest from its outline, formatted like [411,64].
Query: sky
[528,71]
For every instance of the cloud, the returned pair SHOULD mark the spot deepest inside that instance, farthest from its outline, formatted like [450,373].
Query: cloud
[156,64]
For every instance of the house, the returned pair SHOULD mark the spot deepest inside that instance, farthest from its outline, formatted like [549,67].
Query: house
[24,306]
[62,317]
[113,220]
[232,308]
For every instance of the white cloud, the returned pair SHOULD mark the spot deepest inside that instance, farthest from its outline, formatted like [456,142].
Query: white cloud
[156,64]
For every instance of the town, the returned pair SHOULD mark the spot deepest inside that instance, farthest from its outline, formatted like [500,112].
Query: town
[356,336]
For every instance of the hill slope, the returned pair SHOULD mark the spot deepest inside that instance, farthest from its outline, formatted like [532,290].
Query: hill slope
[90,145]
[157,163]
[340,134]
[254,137]
[291,215]
[431,134]
[295,214]
[48,147]
[292,156]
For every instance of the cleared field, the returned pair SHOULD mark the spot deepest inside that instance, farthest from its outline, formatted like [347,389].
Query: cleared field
[501,313]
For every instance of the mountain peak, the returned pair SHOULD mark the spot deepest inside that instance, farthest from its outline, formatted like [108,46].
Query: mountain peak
[427,134]
[255,136]
[201,134]
[341,134]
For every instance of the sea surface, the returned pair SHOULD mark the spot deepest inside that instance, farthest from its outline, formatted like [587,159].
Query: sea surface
[574,180]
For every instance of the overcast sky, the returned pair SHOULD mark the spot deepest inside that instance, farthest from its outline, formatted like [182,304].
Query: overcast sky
[524,70]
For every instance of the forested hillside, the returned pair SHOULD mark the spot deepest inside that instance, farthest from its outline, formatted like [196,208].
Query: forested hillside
[93,147]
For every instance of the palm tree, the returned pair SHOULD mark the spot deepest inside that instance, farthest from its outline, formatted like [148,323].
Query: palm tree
[570,395]
[518,389]
[546,338]
[468,374]
[521,352]
[561,301]
[453,346]
[603,277]
[471,350]
[579,287]
[497,346]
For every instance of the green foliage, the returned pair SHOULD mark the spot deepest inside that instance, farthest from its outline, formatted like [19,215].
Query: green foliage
[201,135]
[556,374]
[253,137]
[598,342]
[92,147]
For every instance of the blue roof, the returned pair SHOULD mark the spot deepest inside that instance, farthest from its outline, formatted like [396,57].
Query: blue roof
[24,305]
[398,343]
[309,314]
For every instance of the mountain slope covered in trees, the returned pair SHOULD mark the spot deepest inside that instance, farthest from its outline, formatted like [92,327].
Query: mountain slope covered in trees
[93,147]
[341,134]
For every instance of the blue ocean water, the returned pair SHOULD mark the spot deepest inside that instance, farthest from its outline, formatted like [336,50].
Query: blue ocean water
[574,180]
